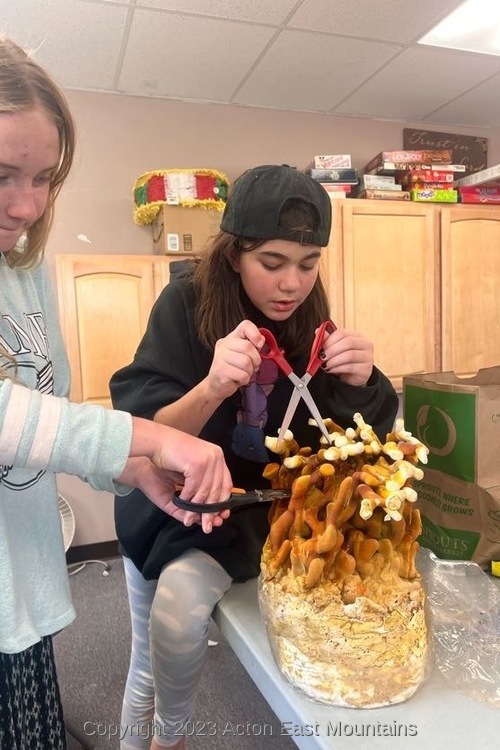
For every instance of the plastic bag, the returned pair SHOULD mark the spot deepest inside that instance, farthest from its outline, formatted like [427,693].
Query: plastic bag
[464,610]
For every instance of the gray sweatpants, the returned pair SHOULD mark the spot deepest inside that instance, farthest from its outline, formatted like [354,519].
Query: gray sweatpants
[170,620]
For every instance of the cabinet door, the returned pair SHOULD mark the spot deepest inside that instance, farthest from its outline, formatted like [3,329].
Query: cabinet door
[391,282]
[104,303]
[471,283]
[332,265]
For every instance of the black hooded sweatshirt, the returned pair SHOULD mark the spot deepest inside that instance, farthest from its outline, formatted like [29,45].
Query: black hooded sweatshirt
[169,362]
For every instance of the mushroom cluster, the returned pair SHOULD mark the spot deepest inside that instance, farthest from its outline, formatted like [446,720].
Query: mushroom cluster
[339,590]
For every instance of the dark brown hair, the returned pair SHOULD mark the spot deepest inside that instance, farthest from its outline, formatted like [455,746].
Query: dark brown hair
[220,306]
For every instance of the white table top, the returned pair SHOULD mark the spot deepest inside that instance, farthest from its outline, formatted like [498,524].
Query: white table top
[434,717]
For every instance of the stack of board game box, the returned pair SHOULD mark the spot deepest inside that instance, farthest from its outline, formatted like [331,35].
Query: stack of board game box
[335,173]
[425,184]
[426,175]
[380,187]
[481,187]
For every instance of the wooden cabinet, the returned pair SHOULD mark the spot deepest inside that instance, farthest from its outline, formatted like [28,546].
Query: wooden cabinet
[420,280]
[104,304]
[383,278]
[470,253]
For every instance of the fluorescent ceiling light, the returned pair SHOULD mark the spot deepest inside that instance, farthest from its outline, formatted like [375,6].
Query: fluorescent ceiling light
[473,27]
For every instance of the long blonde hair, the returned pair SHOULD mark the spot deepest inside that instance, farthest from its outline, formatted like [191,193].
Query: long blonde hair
[24,85]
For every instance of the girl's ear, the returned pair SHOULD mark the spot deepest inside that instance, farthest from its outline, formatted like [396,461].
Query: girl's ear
[233,257]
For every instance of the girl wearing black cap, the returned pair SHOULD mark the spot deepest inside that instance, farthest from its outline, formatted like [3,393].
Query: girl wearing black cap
[198,368]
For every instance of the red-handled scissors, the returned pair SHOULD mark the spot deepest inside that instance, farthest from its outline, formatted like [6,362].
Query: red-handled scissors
[300,384]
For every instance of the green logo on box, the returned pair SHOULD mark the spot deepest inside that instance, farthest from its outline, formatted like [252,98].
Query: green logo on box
[448,544]
[446,423]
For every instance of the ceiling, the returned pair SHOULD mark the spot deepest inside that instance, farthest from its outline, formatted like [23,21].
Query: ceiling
[351,58]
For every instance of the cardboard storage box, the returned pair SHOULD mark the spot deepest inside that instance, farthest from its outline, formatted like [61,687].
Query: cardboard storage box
[331,161]
[181,229]
[425,176]
[479,199]
[430,195]
[349,176]
[490,176]
[378,181]
[382,194]
[430,155]
[459,498]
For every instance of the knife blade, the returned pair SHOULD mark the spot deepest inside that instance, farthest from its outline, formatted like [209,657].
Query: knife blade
[236,500]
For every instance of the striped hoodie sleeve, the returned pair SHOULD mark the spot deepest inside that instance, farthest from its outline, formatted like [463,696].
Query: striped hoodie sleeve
[41,431]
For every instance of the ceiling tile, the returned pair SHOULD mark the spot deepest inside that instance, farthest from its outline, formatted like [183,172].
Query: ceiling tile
[346,57]
[389,20]
[188,57]
[53,29]
[311,71]
[418,81]
[479,107]
[259,11]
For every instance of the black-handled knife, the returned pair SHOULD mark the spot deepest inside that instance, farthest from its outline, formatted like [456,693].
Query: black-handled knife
[236,500]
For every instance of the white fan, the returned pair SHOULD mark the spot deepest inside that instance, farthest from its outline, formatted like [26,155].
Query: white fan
[68,525]
[67,521]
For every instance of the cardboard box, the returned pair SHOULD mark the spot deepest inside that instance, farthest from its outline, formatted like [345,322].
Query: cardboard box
[459,519]
[479,190]
[349,176]
[376,194]
[492,200]
[336,187]
[429,195]
[379,185]
[419,176]
[434,156]
[180,229]
[459,497]
[490,176]
[424,185]
[479,194]
[331,161]
[392,167]
[376,181]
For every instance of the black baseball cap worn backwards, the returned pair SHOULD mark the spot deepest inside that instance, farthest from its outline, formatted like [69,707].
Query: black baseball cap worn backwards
[258,196]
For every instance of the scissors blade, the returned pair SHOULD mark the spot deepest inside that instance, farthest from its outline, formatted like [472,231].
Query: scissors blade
[302,391]
[237,500]
[290,411]
[315,412]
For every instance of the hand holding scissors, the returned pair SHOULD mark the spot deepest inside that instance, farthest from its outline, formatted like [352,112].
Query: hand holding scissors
[236,358]
[300,384]
[349,356]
